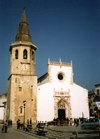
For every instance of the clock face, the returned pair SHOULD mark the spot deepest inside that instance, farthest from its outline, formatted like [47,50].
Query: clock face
[25,67]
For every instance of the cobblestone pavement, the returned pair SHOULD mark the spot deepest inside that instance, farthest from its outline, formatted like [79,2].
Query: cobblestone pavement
[14,134]
[53,132]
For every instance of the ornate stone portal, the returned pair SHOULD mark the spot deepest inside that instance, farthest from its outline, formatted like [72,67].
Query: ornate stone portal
[62,103]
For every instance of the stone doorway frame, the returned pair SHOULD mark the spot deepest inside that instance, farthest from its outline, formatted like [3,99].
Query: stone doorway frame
[62,101]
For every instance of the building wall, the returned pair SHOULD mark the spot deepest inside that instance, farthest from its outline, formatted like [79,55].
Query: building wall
[28,85]
[79,101]
[43,80]
[1,112]
[60,84]
[78,97]
[45,103]
[3,98]
[3,105]
[97,90]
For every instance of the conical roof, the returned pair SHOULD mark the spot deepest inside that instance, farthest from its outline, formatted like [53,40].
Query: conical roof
[23,33]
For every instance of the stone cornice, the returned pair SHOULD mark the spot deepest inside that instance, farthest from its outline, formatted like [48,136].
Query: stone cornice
[21,75]
[22,43]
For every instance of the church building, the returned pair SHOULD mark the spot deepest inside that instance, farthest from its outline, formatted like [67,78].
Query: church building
[54,96]
[58,96]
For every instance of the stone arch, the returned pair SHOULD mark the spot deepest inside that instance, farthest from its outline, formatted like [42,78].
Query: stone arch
[25,54]
[62,104]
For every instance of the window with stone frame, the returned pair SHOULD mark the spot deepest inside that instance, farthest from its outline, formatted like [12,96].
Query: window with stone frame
[20,88]
[21,109]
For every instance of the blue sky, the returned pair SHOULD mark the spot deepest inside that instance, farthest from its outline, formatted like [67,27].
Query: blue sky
[66,29]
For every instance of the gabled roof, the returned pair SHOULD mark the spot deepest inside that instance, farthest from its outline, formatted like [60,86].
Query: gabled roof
[43,76]
[97,85]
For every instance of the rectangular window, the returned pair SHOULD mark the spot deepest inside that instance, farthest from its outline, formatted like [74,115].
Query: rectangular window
[16,80]
[20,88]
[97,92]
[20,109]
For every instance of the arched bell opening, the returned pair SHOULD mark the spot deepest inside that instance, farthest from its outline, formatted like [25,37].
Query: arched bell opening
[25,54]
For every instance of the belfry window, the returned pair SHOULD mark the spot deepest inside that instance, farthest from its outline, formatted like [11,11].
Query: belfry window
[16,54]
[32,55]
[25,54]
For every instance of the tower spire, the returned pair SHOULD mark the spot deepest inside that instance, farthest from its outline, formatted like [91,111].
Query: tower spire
[23,33]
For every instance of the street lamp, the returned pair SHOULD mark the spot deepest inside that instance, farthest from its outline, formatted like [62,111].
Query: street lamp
[24,102]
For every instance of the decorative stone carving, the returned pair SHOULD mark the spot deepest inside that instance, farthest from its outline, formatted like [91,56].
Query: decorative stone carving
[62,101]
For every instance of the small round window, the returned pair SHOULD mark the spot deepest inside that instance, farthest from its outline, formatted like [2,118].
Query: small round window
[60,76]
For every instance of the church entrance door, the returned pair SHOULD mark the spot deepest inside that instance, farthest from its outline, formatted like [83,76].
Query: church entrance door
[61,114]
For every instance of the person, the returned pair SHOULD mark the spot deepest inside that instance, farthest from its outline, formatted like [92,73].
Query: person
[6,125]
[74,121]
[30,121]
[18,124]
[77,122]
[2,128]
[27,121]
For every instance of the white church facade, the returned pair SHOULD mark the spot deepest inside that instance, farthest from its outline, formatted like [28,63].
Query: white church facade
[58,96]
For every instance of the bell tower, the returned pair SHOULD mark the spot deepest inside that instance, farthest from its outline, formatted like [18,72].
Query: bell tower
[22,82]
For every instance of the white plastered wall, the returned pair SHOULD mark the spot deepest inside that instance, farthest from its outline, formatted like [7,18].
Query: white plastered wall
[1,112]
[79,101]
[58,85]
[45,103]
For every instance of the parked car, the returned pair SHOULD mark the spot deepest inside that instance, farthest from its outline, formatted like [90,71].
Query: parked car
[91,123]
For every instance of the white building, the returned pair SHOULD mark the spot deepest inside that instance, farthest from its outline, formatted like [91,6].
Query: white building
[58,96]
[97,90]
[3,105]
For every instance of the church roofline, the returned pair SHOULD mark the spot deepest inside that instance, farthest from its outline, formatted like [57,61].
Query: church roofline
[59,63]
[97,85]
[43,76]
[3,94]
[81,86]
